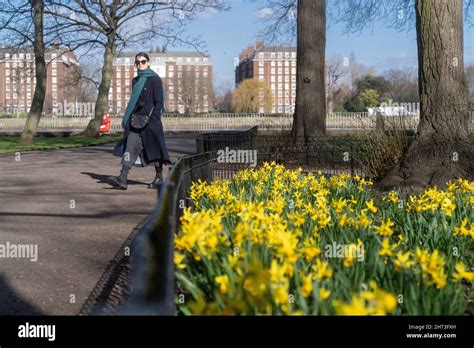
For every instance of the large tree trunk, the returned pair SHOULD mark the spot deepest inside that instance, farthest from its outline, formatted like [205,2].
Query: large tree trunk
[31,125]
[102,102]
[309,121]
[441,150]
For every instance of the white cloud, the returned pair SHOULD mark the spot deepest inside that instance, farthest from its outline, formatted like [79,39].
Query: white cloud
[265,12]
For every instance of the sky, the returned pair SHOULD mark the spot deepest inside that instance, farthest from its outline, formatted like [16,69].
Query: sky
[227,33]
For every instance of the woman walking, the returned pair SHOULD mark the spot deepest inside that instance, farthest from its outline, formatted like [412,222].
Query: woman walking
[143,131]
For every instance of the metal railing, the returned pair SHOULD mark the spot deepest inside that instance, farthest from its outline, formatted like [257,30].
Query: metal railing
[153,267]
[338,121]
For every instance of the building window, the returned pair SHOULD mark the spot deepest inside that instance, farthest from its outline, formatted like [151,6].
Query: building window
[280,70]
[273,71]
[287,71]
[261,63]
[54,87]
[171,74]
[55,95]
[119,82]
[261,77]
[7,55]
[53,72]
[293,63]
[119,96]
[119,60]
[171,67]
[118,89]
[127,60]
[293,71]
[280,78]
[293,54]
[53,55]
[54,80]
[272,78]
[260,71]
[287,78]
[7,71]
[127,82]
[272,55]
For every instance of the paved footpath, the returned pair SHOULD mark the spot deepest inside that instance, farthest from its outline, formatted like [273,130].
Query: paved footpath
[59,202]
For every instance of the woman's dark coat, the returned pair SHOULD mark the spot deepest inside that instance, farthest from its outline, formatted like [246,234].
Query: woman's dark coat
[152,135]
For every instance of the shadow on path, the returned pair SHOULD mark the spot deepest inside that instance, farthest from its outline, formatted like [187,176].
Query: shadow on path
[102,179]
[12,304]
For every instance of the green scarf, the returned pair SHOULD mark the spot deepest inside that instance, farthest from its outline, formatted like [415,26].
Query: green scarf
[137,90]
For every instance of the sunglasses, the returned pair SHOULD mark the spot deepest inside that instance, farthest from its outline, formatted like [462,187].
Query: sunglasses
[143,62]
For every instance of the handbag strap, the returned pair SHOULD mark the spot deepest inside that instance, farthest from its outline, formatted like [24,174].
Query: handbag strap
[149,115]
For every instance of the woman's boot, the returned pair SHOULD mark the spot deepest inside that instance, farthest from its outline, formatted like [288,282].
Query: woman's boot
[156,183]
[121,180]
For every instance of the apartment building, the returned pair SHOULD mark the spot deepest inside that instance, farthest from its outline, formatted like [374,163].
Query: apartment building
[18,78]
[274,65]
[186,76]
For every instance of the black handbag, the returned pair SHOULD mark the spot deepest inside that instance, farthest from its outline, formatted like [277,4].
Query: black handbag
[139,122]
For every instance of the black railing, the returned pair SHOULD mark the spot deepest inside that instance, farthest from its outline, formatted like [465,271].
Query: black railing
[153,267]
[330,156]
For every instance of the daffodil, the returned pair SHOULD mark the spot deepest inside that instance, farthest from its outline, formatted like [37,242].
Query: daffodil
[463,231]
[322,270]
[324,294]
[385,229]
[403,260]
[461,273]
[223,282]
[387,249]
[370,205]
[178,260]
[307,285]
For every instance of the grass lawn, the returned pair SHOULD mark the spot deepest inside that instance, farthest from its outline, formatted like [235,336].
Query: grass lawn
[11,143]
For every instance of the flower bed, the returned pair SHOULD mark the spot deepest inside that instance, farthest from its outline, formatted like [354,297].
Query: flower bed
[275,241]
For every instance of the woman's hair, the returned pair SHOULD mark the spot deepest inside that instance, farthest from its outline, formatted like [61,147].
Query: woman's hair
[142,54]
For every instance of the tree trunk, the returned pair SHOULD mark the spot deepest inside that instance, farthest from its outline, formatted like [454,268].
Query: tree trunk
[102,103]
[441,150]
[32,121]
[309,121]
